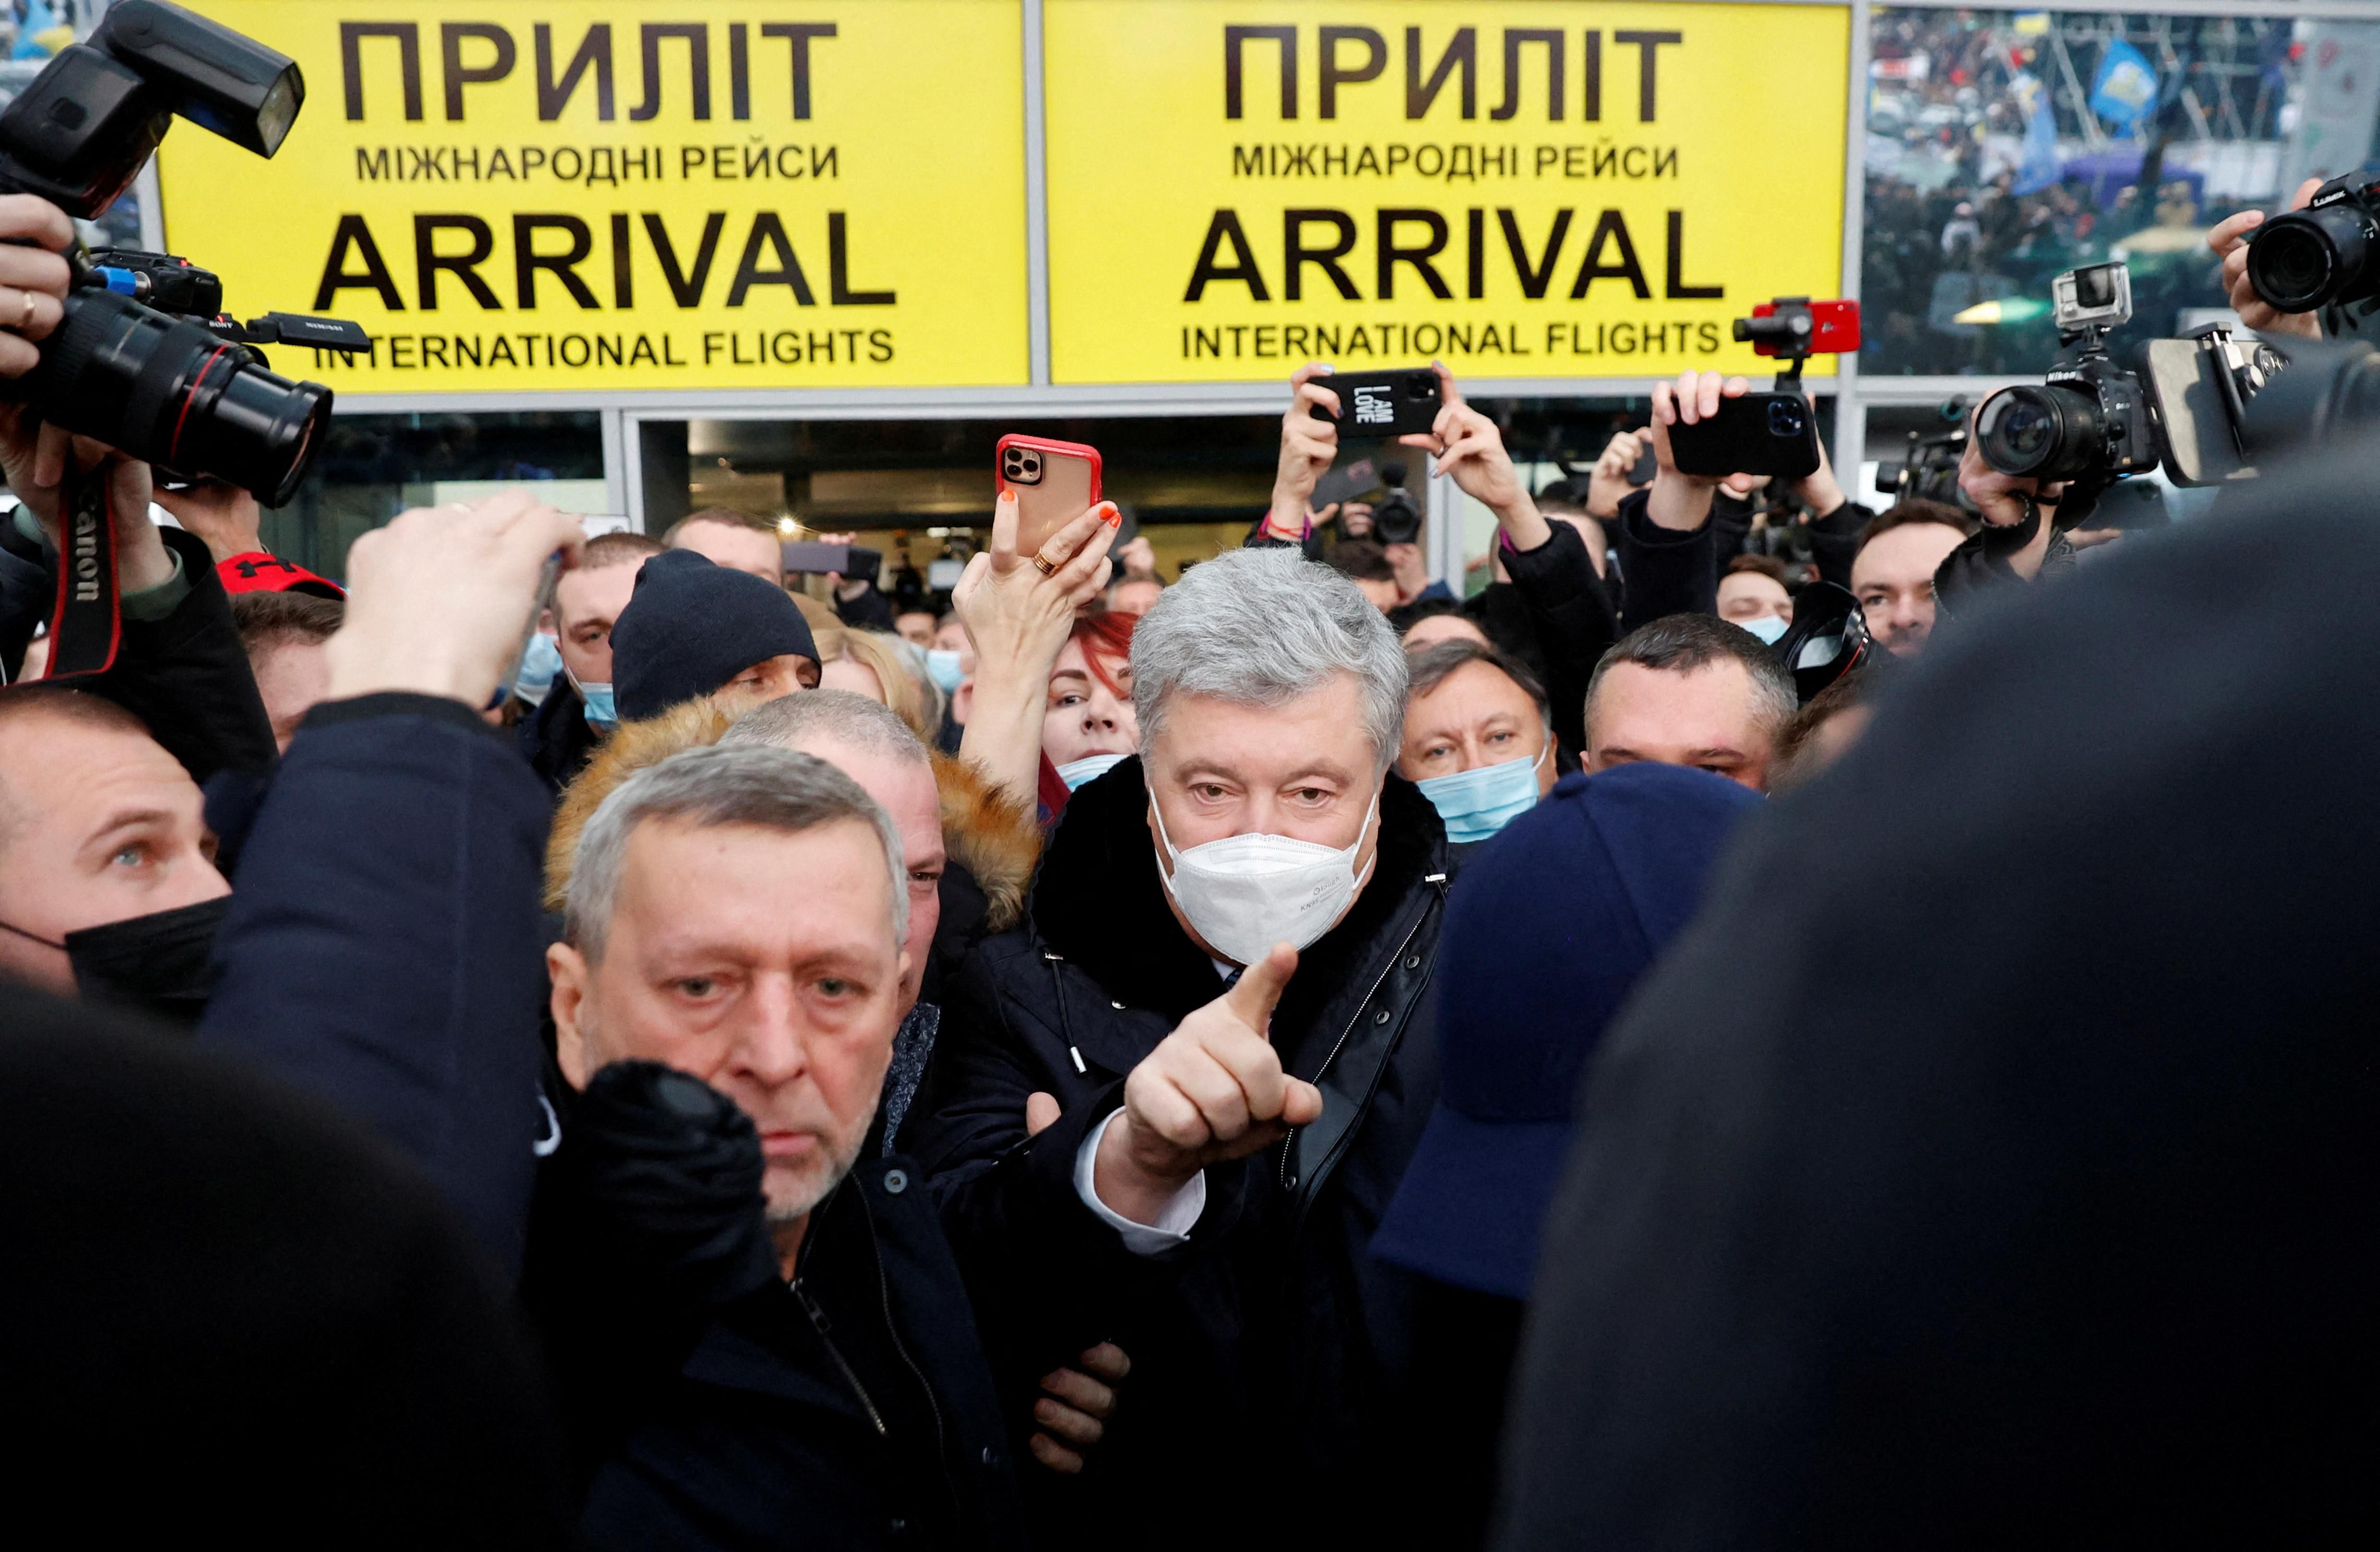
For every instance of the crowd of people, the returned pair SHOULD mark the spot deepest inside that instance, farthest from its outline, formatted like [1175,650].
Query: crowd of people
[1990,170]
[569,1040]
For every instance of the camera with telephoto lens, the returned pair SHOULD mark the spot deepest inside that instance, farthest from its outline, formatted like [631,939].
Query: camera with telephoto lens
[2323,255]
[1395,519]
[140,360]
[2090,422]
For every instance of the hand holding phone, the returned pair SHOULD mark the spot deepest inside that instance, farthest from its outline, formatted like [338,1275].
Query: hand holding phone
[1709,428]
[1054,482]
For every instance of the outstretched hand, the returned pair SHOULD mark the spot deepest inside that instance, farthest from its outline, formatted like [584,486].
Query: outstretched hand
[1996,496]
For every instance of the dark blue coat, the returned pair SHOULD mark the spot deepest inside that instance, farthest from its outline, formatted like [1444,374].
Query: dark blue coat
[385,950]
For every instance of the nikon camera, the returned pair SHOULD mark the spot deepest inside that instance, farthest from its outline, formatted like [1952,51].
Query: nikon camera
[2091,421]
[126,366]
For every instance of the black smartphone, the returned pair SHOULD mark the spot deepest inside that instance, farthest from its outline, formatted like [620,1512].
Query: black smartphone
[1383,404]
[1758,434]
[808,557]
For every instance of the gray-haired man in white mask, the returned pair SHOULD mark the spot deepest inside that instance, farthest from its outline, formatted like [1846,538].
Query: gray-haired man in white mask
[1213,1030]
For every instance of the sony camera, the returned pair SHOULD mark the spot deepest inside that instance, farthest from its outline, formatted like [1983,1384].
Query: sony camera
[141,360]
[2091,420]
[2322,255]
[1395,519]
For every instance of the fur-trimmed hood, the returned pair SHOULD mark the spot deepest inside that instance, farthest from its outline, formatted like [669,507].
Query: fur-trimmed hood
[989,834]
[631,747]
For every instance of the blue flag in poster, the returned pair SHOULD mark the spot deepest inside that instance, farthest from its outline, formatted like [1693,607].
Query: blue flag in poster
[2040,168]
[2125,92]
[37,21]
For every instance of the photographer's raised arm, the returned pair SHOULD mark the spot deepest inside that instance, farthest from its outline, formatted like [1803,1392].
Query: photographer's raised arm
[1667,550]
[1308,446]
[1549,562]
[2017,540]
[384,949]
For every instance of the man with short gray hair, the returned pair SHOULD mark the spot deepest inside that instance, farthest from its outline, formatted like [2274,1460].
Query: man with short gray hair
[752,1326]
[1211,1035]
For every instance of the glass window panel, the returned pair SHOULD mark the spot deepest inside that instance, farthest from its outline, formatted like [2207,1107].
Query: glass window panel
[2004,147]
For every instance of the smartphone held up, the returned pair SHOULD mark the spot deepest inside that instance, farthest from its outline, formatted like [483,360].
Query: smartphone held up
[1771,433]
[1054,482]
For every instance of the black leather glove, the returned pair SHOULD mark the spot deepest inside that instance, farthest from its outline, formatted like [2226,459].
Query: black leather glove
[666,1171]
[649,1223]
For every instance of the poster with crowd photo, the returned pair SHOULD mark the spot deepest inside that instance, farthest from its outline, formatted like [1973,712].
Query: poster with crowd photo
[623,194]
[1532,189]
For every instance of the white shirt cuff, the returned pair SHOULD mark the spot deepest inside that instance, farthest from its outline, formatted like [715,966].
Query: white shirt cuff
[1172,1225]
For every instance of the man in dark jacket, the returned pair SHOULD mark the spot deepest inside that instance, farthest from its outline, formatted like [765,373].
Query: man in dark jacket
[108,884]
[2014,1185]
[1260,813]
[709,1402]
[737,917]
[1675,534]
[577,713]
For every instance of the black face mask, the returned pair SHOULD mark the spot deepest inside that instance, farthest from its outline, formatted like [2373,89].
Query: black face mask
[157,963]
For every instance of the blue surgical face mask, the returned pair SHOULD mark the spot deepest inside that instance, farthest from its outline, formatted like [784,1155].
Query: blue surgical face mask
[943,667]
[603,712]
[1477,803]
[539,666]
[1770,628]
[1090,767]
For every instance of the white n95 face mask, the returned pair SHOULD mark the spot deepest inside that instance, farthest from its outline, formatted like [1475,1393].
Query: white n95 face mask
[1244,893]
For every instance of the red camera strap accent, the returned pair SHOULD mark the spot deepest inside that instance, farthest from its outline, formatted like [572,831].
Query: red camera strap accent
[87,626]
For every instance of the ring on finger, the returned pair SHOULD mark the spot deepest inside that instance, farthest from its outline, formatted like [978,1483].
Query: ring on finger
[1044,565]
[26,321]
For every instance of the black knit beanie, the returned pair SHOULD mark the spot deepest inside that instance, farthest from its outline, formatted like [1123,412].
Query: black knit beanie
[691,627]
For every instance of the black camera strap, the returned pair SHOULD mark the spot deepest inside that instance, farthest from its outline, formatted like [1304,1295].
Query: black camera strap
[87,626]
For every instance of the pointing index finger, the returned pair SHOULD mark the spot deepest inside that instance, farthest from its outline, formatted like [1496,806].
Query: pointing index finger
[1258,991]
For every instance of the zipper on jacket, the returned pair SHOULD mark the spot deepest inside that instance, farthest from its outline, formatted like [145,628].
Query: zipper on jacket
[824,1328]
[1288,1144]
[893,1329]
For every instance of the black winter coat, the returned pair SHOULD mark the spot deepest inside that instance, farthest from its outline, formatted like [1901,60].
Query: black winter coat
[227,1312]
[2014,1185]
[556,738]
[1271,1368]
[851,1409]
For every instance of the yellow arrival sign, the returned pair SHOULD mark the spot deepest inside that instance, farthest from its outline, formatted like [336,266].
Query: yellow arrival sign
[665,194]
[1523,189]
